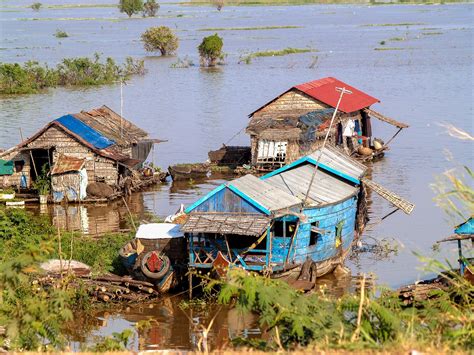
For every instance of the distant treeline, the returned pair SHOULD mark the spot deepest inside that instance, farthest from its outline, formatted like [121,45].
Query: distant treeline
[31,77]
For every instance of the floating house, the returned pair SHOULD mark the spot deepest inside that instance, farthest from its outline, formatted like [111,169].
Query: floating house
[98,145]
[307,212]
[295,123]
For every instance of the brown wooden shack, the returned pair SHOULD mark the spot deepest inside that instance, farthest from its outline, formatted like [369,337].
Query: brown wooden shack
[295,123]
[108,144]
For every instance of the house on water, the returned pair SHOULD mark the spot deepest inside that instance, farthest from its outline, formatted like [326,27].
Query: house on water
[305,213]
[97,146]
[295,123]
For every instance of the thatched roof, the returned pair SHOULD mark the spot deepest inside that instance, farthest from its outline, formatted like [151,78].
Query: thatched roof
[226,223]
[276,134]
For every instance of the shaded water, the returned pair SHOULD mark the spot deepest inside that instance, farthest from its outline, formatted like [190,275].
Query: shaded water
[426,81]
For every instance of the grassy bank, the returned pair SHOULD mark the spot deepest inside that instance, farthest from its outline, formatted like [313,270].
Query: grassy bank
[33,317]
[31,77]
[356,322]
[274,53]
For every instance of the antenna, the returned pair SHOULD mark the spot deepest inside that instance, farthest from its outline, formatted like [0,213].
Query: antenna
[121,106]
[343,91]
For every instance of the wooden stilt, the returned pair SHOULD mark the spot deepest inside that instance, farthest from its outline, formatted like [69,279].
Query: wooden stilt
[190,280]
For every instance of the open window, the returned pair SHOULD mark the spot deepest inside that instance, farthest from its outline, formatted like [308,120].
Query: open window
[283,228]
[315,233]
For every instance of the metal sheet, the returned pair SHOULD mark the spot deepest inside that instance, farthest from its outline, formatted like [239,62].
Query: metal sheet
[340,161]
[66,164]
[324,90]
[324,190]
[264,194]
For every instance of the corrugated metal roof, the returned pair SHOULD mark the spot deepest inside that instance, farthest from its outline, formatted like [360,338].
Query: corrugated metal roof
[340,161]
[65,164]
[264,194]
[324,90]
[226,223]
[325,188]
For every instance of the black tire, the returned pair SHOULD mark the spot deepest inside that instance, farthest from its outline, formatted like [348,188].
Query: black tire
[159,274]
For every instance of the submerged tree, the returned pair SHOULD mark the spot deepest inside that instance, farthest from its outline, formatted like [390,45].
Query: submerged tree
[150,8]
[131,7]
[160,39]
[36,6]
[210,50]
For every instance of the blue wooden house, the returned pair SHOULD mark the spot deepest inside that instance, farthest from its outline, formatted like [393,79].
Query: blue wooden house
[301,218]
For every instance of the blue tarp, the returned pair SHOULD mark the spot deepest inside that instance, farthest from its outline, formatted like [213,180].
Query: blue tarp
[313,120]
[85,132]
[465,228]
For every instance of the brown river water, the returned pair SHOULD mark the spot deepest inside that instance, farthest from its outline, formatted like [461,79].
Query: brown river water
[424,80]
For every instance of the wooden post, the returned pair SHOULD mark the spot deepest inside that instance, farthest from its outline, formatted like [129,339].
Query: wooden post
[391,139]
[31,155]
[190,283]
[461,262]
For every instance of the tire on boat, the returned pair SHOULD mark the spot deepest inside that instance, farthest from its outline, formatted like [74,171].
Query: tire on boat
[164,265]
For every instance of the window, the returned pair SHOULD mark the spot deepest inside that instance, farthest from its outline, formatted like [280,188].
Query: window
[314,234]
[271,149]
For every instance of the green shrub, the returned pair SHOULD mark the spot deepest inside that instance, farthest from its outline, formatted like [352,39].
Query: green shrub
[131,7]
[160,39]
[36,6]
[150,8]
[32,77]
[210,50]
[61,34]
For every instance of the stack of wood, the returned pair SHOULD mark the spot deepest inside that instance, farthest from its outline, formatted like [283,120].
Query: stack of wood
[423,290]
[105,288]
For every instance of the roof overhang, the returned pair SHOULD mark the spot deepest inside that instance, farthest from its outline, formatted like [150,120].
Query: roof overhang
[249,224]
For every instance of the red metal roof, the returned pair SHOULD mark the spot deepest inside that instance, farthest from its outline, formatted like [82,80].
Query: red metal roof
[324,90]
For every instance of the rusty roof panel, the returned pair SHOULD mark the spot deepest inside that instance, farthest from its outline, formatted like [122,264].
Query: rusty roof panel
[66,164]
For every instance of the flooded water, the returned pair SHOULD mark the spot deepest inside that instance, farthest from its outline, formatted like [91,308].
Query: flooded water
[423,79]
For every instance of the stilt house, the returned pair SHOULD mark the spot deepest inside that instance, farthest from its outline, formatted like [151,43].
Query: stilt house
[99,141]
[295,123]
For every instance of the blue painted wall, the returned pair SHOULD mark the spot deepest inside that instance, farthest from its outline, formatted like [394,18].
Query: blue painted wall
[226,201]
[328,217]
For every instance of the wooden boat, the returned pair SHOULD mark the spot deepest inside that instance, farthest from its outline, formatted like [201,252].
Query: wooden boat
[296,223]
[230,155]
[188,171]
[157,255]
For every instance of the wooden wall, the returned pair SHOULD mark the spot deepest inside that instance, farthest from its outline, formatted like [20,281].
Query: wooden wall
[291,101]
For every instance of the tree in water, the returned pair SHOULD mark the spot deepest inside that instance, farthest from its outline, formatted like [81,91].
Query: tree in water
[160,39]
[219,4]
[131,7]
[150,8]
[210,50]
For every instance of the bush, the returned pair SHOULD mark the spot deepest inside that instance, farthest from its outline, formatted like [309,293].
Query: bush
[210,50]
[32,77]
[131,7]
[36,6]
[150,8]
[160,39]
[61,34]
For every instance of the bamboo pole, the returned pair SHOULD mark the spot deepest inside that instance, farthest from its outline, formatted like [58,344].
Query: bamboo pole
[359,313]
